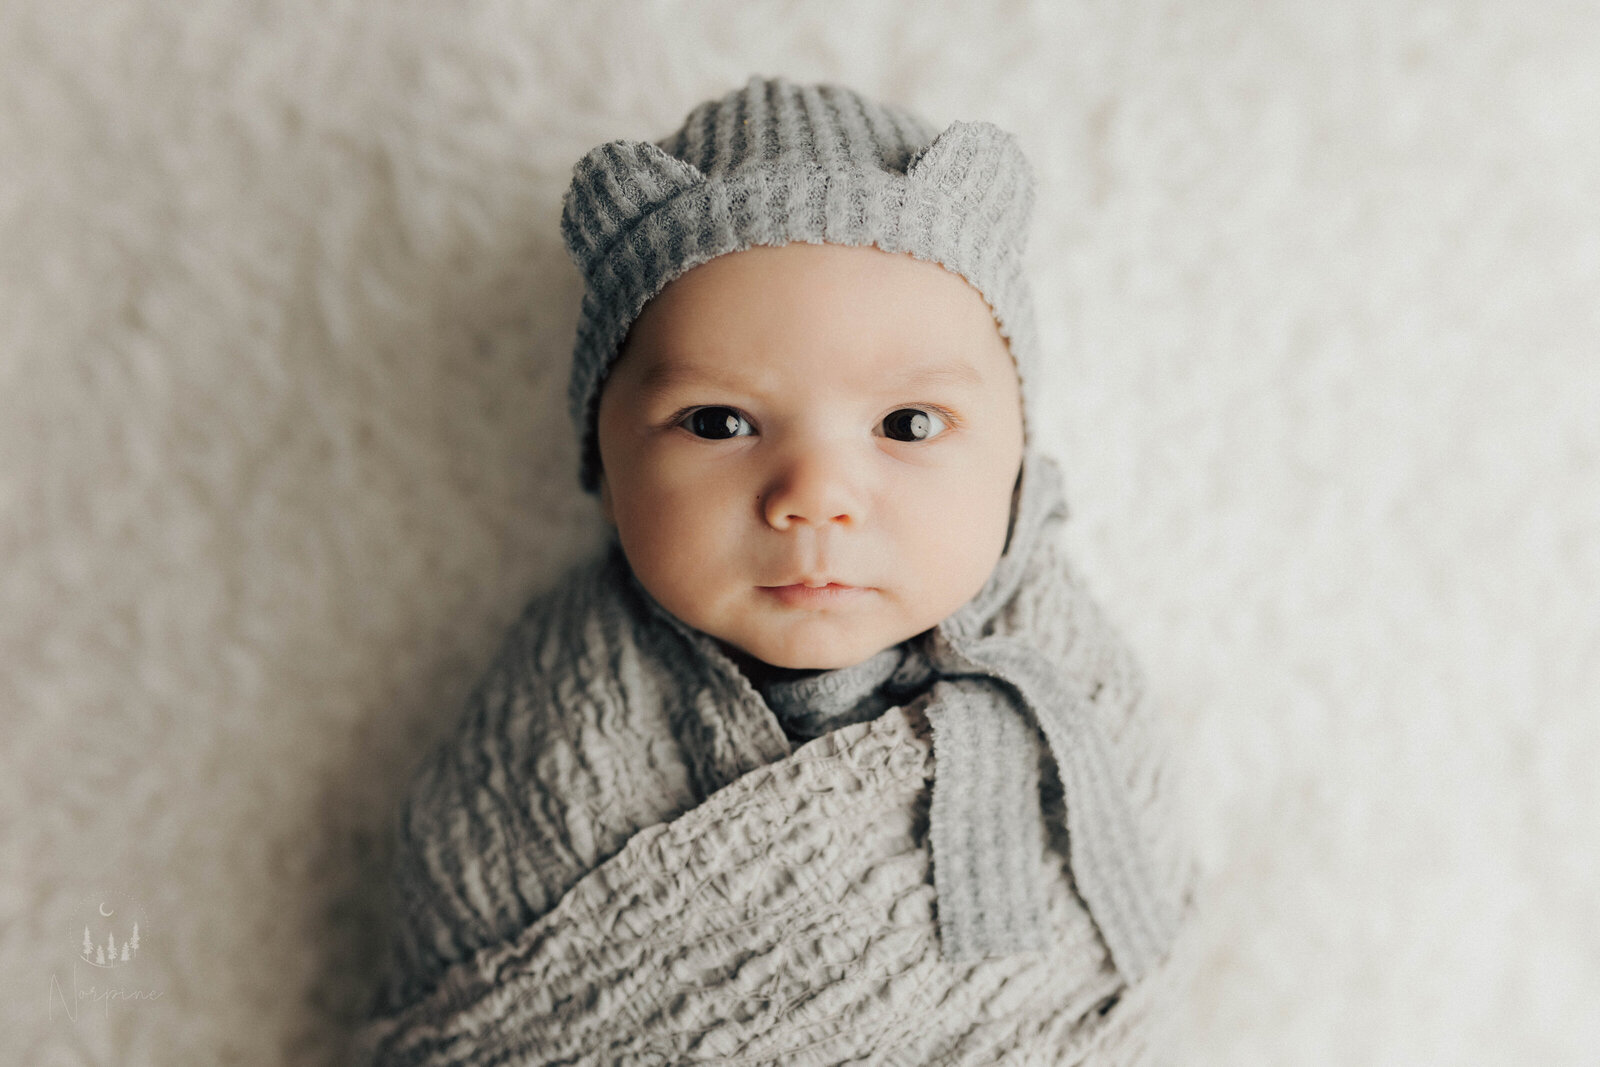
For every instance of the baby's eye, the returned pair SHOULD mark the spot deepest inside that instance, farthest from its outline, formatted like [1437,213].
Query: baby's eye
[913,424]
[715,423]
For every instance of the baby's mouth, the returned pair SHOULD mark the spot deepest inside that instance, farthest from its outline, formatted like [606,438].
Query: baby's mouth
[803,594]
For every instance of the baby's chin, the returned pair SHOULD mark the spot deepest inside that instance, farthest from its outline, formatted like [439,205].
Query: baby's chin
[788,653]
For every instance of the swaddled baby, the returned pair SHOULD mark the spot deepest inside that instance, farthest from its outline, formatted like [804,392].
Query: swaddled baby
[828,757]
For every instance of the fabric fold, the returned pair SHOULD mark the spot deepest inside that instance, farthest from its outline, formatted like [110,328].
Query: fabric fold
[985,827]
[1109,864]
[810,703]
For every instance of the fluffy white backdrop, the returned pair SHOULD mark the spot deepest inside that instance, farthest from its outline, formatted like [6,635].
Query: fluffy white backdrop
[284,322]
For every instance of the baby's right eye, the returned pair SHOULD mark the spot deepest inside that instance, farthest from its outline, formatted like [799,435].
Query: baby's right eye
[715,423]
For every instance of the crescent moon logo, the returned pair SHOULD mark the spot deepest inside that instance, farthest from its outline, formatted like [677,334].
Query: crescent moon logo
[104,912]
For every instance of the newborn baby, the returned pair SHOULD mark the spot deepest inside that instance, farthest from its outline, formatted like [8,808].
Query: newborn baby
[809,450]
[829,756]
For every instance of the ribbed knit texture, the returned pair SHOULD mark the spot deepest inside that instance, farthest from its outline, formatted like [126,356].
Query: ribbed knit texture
[622,858]
[775,163]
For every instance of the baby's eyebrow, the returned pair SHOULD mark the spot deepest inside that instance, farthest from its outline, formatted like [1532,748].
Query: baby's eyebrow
[952,373]
[663,376]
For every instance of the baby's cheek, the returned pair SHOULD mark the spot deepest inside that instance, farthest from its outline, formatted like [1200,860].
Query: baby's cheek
[981,539]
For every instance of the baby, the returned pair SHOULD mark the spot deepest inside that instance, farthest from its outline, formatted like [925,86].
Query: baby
[829,757]
[809,450]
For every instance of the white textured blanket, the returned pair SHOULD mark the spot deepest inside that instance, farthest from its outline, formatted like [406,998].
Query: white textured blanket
[284,327]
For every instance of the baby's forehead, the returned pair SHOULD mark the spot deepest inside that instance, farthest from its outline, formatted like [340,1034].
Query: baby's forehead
[664,369]
[846,314]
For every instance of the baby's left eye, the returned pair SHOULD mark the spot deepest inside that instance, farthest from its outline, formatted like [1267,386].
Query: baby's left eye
[913,424]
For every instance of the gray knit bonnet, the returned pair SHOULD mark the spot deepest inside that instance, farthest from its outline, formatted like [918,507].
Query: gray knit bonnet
[777,162]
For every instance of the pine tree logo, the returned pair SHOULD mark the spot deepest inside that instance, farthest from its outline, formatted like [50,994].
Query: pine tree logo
[111,930]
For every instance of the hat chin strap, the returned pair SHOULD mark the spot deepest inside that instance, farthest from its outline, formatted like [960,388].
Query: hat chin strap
[1016,506]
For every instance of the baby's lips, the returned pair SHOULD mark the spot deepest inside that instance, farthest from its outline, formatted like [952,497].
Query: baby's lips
[805,596]
[811,580]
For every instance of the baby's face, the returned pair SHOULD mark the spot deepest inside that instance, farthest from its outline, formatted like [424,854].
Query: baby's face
[789,418]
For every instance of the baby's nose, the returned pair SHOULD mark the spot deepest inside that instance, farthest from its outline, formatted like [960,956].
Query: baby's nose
[816,488]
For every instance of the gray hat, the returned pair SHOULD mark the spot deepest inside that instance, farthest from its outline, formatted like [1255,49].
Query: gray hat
[777,162]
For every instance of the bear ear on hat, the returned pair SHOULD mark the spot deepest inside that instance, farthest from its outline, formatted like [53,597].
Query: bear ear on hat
[613,186]
[984,169]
